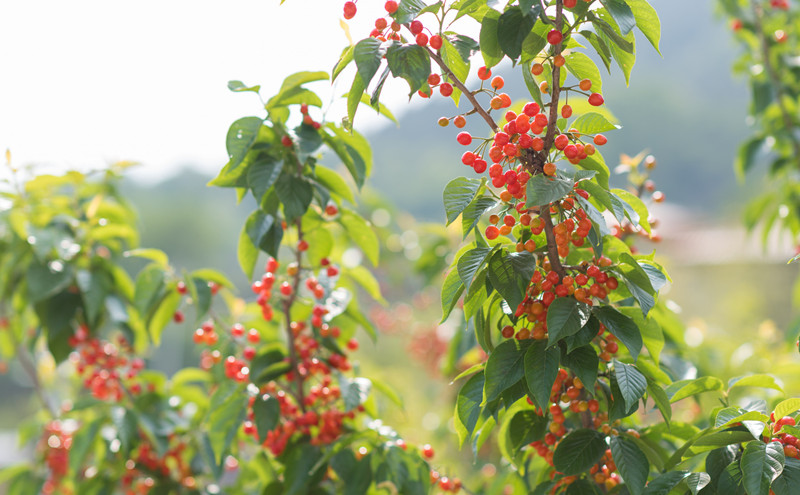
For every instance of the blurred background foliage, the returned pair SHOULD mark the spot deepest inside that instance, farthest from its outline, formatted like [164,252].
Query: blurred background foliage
[735,296]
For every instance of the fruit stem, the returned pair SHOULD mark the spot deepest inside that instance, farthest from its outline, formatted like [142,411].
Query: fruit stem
[466,92]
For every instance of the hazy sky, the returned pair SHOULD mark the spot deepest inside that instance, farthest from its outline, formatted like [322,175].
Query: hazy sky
[84,83]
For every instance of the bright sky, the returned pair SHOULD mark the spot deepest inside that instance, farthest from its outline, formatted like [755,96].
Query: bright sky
[88,82]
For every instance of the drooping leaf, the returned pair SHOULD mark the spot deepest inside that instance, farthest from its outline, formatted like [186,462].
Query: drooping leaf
[542,190]
[579,451]
[468,407]
[458,194]
[512,28]
[631,462]
[761,464]
[565,317]
[631,383]
[504,368]
[411,62]
[541,369]
[621,327]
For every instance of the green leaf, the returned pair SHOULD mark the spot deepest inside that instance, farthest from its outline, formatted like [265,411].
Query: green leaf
[242,135]
[156,255]
[360,231]
[163,315]
[664,484]
[353,149]
[344,61]
[687,388]
[367,281]
[263,232]
[746,154]
[659,396]
[789,480]
[582,67]
[530,83]
[295,193]
[239,86]
[647,21]
[621,327]
[757,380]
[621,13]
[565,317]
[504,368]
[512,28]
[354,97]
[593,123]
[368,55]
[460,67]
[761,464]
[468,407]
[473,212]
[374,103]
[519,429]
[149,288]
[458,194]
[490,46]
[542,190]
[505,278]
[470,262]
[266,413]
[637,205]
[407,10]
[787,407]
[262,174]
[411,62]
[47,279]
[631,462]
[299,462]
[541,370]
[246,251]
[354,391]
[579,451]
[451,292]
[631,383]
[333,182]
[226,412]
[583,361]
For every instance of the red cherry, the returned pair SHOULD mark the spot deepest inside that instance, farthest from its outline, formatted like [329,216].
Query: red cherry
[436,41]
[286,141]
[596,99]
[427,451]
[554,37]
[464,138]
[349,10]
[446,89]
[390,6]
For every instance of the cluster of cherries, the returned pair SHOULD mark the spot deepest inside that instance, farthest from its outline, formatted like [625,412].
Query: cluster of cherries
[569,391]
[775,433]
[104,366]
[57,442]
[310,404]
[146,463]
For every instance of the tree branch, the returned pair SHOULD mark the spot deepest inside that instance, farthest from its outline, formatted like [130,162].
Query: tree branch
[460,85]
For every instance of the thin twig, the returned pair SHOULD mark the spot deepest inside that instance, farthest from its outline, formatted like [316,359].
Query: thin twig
[460,85]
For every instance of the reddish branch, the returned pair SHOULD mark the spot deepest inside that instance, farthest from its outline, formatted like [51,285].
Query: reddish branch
[460,85]
[555,92]
[287,315]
